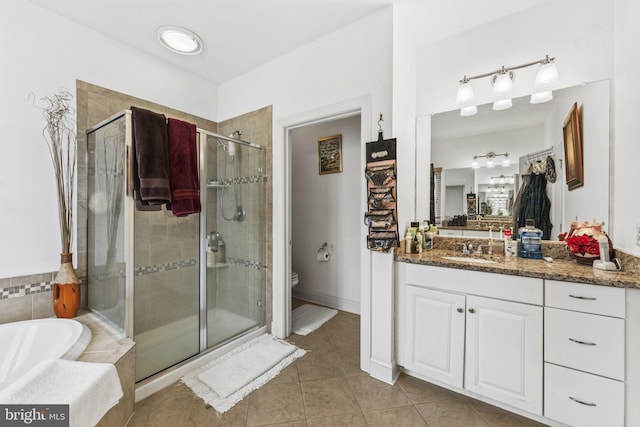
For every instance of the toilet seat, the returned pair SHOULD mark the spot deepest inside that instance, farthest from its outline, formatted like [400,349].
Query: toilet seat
[294,278]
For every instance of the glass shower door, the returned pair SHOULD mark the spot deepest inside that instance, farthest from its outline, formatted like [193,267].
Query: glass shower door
[105,221]
[235,230]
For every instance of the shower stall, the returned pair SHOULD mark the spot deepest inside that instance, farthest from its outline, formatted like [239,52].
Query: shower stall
[178,286]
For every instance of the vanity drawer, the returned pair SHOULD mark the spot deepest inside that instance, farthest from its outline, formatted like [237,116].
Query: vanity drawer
[580,399]
[587,342]
[595,299]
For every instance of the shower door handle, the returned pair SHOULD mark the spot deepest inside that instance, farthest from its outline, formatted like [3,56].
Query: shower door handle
[127,171]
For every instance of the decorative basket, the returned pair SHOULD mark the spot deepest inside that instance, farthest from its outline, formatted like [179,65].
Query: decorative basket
[586,259]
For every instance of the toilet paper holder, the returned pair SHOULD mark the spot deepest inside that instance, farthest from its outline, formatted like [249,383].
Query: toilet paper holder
[323,253]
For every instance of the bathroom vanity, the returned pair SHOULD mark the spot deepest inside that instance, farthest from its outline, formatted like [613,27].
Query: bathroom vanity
[545,340]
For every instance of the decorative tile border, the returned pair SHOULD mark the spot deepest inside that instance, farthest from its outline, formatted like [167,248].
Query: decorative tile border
[256,265]
[30,289]
[252,179]
[159,268]
[46,286]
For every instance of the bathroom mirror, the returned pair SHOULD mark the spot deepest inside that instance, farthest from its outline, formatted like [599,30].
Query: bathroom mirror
[527,132]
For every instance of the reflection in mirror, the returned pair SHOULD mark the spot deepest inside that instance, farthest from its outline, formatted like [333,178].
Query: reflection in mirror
[530,134]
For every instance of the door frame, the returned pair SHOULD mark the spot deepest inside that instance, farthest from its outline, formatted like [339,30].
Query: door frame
[282,169]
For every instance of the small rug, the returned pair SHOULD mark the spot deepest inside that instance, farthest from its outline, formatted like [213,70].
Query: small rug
[307,318]
[226,380]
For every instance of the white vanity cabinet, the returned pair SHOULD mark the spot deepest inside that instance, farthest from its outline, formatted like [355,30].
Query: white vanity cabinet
[435,327]
[584,354]
[503,357]
[474,330]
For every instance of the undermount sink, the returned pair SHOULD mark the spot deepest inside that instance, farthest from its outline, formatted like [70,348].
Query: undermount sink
[469,259]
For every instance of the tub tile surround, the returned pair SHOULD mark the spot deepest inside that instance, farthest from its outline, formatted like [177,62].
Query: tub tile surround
[28,297]
[562,268]
[109,346]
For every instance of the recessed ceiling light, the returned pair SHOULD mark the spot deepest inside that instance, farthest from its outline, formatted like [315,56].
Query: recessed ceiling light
[179,40]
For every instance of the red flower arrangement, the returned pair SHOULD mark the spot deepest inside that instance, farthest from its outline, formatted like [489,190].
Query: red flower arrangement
[583,245]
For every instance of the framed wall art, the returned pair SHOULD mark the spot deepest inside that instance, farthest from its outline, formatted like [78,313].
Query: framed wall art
[572,132]
[330,154]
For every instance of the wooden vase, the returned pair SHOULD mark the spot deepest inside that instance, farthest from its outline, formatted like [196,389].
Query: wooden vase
[66,289]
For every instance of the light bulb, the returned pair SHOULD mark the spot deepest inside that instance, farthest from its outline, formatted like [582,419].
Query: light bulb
[503,104]
[468,111]
[502,90]
[465,94]
[465,99]
[547,78]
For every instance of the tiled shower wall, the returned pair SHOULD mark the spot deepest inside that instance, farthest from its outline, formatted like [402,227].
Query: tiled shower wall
[29,297]
[247,238]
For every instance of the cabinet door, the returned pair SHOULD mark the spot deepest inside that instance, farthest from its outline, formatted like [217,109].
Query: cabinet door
[504,352]
[435,343]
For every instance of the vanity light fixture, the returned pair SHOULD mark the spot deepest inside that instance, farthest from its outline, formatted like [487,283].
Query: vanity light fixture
[179,40]
[490,156]
[501,179]
[546,80]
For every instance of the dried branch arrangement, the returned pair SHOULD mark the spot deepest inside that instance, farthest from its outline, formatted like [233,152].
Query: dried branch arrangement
[60,135]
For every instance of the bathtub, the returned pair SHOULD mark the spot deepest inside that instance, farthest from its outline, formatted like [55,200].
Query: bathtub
[25,344]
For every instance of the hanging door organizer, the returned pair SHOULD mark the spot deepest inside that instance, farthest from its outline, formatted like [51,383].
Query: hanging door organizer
[381,216]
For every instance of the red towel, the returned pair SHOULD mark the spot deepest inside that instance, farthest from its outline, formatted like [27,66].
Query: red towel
[183,165]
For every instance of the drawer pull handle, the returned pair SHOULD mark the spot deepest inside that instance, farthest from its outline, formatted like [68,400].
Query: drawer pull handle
[460,310]
[472,310]
[585,298]
[582,402]
[581,342]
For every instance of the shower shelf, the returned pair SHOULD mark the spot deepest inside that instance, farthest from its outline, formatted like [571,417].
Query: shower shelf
[216,184]
[220,265]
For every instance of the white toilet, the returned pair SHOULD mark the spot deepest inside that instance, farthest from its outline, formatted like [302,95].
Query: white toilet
[294,278]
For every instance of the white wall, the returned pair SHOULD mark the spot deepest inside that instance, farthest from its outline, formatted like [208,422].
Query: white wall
[351,62]
[324,209]
[347,68]
[578,33]
[582,45]
[594,101]
[42,52]
[626,149]
[458,152]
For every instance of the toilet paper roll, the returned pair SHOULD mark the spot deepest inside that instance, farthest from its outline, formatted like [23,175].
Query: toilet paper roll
[323,255]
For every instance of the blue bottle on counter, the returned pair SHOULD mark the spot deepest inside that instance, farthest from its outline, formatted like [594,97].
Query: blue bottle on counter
[530,241]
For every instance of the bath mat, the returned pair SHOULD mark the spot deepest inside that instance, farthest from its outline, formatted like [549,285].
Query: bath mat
[307,318]
[226,380]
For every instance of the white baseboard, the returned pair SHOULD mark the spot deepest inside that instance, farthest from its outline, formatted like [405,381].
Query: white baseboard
[331,301]
[384,372]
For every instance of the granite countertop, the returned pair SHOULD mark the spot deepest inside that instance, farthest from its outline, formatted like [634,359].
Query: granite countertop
[560,269]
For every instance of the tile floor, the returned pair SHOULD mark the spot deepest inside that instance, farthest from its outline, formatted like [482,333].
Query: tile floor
[326,388]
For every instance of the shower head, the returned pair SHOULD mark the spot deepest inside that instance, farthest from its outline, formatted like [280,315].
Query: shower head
[231,149]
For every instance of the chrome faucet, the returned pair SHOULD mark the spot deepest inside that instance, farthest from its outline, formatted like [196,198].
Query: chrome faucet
[465,250]
[479,249]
